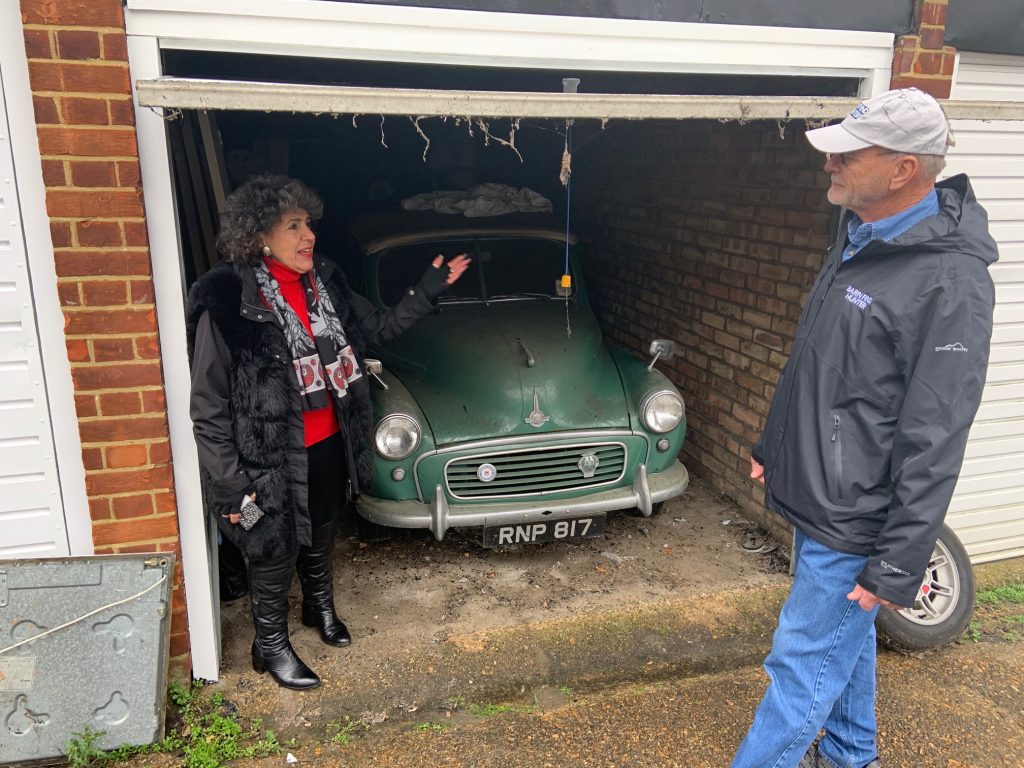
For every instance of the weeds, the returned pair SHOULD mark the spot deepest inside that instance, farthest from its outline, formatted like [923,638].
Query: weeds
[424,727]
[489,710]
[478,710]
[210,735]
[973,631]
[455,702]
[1008,593]
[341,733]
[82,751]
[998,617]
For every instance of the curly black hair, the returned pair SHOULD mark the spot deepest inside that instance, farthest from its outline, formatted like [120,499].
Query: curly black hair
[256,207]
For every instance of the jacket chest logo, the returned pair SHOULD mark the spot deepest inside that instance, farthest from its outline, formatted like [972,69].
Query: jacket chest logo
[858,298]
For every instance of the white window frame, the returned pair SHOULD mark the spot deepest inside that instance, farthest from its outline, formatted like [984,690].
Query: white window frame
[413,35]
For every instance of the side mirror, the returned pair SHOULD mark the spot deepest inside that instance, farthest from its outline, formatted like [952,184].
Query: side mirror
[661,349]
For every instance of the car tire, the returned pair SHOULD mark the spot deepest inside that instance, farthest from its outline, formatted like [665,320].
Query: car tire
[944,603]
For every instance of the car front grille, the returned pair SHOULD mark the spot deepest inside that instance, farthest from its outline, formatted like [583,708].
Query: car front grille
[535,471]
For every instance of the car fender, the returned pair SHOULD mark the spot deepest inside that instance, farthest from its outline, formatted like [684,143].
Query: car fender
[637,382]
[397,399]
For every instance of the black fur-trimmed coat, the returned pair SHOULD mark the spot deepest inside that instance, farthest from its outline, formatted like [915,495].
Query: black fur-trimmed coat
[246,407]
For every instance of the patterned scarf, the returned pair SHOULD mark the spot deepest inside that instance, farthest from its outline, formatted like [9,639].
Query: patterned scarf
[324,363]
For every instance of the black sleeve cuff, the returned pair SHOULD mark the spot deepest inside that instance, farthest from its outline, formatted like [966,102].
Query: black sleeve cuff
[230,491]
[434,281]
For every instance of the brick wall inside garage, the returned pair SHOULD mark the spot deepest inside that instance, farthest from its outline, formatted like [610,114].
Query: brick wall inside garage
[710,234]
[78,72]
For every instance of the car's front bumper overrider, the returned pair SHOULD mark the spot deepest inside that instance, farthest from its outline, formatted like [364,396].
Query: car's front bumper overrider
[439,514]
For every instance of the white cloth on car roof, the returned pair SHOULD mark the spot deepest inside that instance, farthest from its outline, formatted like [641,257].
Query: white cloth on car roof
[488,199]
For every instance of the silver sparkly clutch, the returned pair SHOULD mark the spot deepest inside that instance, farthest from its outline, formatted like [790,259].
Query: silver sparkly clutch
[250,515]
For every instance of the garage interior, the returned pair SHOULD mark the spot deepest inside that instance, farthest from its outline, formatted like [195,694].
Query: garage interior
[705,232]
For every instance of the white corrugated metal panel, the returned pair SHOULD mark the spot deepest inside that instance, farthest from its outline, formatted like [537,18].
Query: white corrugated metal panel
[988,508]
[31,511]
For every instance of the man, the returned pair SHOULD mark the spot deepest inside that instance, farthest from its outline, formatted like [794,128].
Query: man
[866,432]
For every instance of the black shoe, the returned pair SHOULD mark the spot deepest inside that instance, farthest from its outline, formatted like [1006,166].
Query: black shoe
[316,573]
[271,650]
[814,759]
[332,629]
[287,669]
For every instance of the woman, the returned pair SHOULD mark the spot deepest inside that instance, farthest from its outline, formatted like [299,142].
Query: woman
[281,406]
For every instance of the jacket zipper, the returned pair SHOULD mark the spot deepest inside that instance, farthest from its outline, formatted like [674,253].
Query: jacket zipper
[837,452]
[810,324]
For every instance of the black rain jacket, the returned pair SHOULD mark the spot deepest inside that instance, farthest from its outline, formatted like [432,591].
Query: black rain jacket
[866,432]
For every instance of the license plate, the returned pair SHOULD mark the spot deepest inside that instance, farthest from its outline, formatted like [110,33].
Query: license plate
[544,530]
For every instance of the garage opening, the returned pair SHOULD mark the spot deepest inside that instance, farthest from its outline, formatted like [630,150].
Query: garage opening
[705,232]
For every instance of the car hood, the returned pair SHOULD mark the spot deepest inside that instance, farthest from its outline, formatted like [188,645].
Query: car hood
[467,367]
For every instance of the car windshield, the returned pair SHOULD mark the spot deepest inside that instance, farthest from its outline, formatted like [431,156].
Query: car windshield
[503,268]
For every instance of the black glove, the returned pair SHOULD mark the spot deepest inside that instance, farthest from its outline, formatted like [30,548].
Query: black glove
[434,281]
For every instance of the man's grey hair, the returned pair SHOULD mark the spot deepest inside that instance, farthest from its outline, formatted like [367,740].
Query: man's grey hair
[931,165]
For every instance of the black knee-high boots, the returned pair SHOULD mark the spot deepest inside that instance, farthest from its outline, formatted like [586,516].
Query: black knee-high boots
[316,572]
[272,652]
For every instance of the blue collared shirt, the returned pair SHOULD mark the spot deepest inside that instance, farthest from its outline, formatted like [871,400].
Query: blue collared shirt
[861,233]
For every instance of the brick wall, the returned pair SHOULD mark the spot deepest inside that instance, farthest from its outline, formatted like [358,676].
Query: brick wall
[921,60]
[78,72]
[709,234]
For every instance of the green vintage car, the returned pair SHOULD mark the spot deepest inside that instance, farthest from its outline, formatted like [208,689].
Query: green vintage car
[504,409]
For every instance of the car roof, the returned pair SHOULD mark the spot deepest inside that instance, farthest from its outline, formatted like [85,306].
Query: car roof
[378,232]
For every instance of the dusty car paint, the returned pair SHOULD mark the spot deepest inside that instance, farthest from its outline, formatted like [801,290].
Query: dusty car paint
[471,377]
[528,382]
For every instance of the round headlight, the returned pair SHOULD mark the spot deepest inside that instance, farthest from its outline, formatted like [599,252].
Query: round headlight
[397,436]
[662,411]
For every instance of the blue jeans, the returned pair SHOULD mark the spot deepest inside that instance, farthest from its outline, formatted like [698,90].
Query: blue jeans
[821,669]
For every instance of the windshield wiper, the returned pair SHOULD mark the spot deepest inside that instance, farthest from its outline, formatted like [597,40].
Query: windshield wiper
[516,296]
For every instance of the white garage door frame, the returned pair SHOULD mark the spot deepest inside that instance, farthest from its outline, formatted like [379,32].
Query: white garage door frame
[414,35]
[65,470]
[987,510]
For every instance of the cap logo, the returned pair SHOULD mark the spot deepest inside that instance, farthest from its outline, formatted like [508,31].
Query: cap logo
[860,111]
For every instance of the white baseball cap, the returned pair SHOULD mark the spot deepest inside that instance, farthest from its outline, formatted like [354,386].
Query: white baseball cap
[904,120]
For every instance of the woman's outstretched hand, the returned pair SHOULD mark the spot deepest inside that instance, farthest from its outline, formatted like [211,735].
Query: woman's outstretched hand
[456,266]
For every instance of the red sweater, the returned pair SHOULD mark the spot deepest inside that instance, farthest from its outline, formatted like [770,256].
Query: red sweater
[323,422]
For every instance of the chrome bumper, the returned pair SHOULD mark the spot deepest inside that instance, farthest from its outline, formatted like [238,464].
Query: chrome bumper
[439,515]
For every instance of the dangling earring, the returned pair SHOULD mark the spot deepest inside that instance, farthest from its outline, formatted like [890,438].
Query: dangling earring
[266,251]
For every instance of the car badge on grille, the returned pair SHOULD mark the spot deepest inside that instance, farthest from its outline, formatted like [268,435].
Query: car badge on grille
[486,472]
[536,417]
[588,464]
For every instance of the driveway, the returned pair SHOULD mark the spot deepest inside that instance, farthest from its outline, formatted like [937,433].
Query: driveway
[655,597]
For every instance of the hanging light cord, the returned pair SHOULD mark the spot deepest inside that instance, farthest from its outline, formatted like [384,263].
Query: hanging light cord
[568,210]
[568,192]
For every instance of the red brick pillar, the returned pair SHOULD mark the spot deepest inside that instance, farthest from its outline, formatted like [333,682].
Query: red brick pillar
[920,59]
[78,71]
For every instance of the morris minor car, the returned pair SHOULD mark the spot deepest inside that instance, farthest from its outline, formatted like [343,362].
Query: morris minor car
[505,409]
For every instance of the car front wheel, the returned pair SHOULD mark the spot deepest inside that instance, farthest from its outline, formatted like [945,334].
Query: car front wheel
[944,603]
